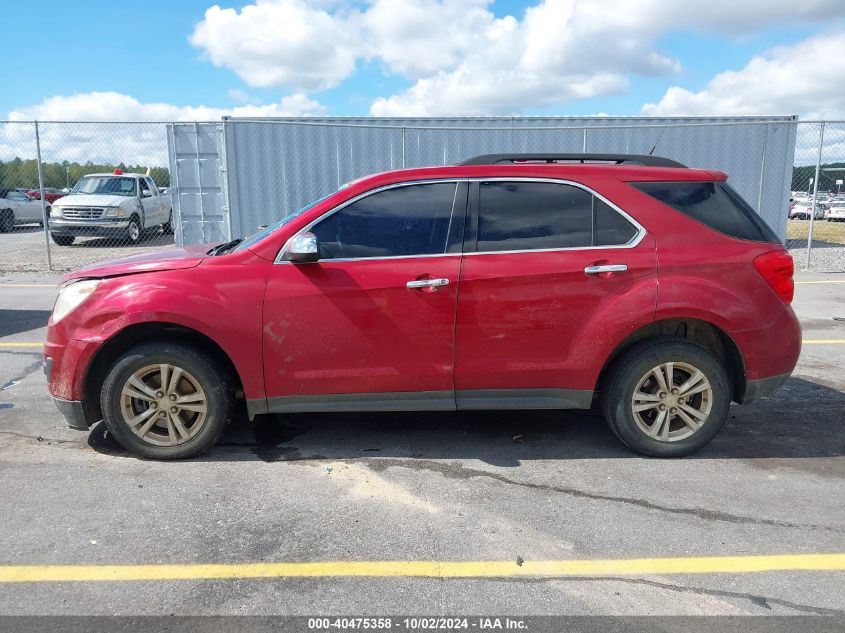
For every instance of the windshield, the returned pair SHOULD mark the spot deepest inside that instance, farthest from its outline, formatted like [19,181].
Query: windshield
[260,235]
[111,185]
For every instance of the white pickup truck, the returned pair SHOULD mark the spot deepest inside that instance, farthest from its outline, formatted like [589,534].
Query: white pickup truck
[115,205]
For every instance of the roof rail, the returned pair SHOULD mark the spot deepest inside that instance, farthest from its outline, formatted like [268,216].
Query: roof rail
[618,159]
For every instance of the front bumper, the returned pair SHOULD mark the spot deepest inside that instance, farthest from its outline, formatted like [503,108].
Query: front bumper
[80,228]
[73,413]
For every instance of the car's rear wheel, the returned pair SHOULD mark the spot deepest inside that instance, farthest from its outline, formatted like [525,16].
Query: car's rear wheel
[167,227]
[166,400]
[62,240]
[7,220]
[666,397]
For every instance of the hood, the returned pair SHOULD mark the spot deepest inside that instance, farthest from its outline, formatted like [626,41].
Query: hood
[91,200]
[171,259]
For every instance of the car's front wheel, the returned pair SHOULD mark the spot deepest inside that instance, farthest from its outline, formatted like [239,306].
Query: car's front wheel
[167,227]
[166,400]
[133,231]
[7,220]
[666,397]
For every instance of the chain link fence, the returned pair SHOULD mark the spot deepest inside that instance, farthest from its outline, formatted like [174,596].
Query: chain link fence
[816,217]
[72,194]
[57,215]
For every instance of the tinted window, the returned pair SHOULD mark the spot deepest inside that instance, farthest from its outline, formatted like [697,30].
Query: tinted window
[412,220]
[714,204]
[610,228]
[533,215]
[539,215]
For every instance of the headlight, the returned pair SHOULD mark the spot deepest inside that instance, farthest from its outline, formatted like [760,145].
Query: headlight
[114,212]
[71,297]
[55,212]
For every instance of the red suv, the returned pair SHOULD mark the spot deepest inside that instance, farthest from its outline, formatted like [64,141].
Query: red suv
[506,282]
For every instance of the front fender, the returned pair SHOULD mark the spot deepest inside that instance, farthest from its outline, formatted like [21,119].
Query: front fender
[223,305]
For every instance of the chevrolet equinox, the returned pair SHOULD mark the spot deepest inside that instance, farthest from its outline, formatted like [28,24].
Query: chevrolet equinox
[560,281]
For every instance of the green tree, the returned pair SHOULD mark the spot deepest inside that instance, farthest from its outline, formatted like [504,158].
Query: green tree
[24,173]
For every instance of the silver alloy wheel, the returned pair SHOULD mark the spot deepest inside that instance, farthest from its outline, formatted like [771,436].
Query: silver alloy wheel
[163,404]
[672,401]
[134,231]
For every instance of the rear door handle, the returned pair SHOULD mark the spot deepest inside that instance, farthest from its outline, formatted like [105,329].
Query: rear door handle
[427,283]
[607,268]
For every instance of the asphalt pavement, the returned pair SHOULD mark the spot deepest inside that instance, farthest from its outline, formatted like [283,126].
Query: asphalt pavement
[414,493]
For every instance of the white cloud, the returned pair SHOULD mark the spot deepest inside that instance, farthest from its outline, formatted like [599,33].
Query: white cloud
[89,136]
[417,38]
[114,106]
[278,43]
[799,79]
[465,60]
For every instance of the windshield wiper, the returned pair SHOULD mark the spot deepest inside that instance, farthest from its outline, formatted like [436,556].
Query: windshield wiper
[222,248]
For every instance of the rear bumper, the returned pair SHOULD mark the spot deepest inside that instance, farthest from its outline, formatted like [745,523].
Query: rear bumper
[72,412]
[756,389]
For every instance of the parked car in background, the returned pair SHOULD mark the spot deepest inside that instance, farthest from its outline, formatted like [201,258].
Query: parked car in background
[117,205]
[803,210]
[18,208]
[51,194]
[505,282]
[836,213]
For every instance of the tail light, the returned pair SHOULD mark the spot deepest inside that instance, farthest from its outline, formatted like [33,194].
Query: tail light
[777,269]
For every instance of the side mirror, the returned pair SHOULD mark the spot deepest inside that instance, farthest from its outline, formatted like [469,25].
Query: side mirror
[302,249]
[146,194]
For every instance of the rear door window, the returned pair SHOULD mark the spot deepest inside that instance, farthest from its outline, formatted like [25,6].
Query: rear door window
[515,216]
[714,204]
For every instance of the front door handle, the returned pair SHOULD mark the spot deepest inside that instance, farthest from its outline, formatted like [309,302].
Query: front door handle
[427,283]
[607,268]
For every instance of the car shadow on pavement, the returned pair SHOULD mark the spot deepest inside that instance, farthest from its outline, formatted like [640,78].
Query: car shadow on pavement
[802,420]
[17,321]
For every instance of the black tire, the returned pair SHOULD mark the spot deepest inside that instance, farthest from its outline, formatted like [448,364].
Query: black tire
[634,365]
[62,240]
[167,227]
[7,220]
[216,384]
[133,231]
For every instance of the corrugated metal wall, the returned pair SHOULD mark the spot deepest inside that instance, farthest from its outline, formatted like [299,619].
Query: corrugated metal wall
[274,166]
[200,212]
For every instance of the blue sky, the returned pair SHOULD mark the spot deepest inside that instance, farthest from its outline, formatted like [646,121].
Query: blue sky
[144,51]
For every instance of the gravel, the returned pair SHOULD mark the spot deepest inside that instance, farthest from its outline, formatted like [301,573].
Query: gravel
[824,258]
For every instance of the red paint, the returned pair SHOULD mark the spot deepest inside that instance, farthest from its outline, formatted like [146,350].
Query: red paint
[346,327]
[35,194]
[504,321]
[535,320]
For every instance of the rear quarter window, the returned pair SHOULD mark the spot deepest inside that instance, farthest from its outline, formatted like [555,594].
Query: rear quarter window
[714,204]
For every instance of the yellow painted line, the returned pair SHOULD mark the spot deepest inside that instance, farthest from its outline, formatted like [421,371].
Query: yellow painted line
[425,569]
[13,345]
[822,281]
